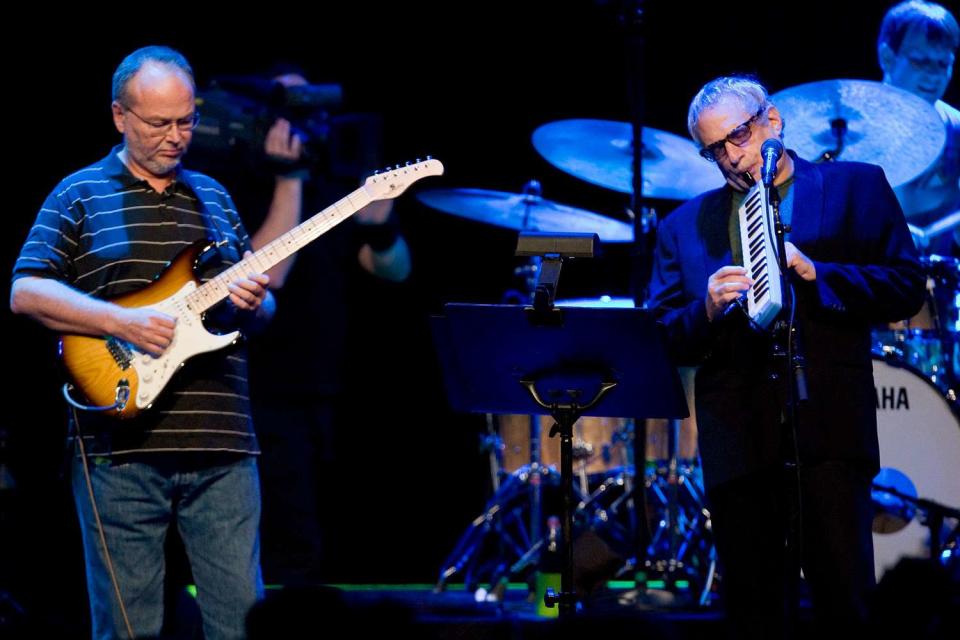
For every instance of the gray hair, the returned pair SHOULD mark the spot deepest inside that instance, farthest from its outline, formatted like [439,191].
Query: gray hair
[748,91]
[155,54]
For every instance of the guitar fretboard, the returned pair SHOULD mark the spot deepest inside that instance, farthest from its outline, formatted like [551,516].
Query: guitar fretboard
[215,290]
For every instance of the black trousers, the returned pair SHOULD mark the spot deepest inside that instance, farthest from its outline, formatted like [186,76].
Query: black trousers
[760,574]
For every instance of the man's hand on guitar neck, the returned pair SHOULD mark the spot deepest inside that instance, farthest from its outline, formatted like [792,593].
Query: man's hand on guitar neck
[250,293]
[250,305]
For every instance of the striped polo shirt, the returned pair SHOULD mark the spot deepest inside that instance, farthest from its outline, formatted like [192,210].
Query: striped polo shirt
[106,232]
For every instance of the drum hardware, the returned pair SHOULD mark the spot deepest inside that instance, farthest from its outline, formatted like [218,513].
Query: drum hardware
[499,546]
[492,444]
[500,537]
[923,235]
[944,543]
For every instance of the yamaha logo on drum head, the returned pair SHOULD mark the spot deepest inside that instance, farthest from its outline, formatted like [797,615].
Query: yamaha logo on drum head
[892,398]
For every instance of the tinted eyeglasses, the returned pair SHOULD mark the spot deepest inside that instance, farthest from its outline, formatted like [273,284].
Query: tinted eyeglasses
[739,136]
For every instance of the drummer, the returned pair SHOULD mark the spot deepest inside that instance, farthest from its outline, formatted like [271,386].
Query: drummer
[916,48]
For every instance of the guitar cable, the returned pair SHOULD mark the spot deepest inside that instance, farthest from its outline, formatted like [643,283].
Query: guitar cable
[96,516]
[123,394]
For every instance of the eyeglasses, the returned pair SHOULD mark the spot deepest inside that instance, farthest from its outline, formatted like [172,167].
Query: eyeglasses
[739,136]
[163,127]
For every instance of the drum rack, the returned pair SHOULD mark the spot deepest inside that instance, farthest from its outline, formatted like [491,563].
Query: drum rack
[503,543]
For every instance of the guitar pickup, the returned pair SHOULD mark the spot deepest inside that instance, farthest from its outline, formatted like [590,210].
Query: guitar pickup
[120,352]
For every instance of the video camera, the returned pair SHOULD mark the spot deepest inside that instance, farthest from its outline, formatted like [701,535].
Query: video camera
[238,111]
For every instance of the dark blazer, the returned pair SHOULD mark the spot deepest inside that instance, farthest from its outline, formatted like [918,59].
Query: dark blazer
[846,219]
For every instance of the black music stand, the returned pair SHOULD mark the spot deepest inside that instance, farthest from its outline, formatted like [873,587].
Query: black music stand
[597,362]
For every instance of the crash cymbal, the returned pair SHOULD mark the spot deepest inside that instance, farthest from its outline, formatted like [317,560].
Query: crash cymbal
[524,212]
[864,121]
[601,152]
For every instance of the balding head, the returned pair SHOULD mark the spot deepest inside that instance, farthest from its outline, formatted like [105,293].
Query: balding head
[153,60]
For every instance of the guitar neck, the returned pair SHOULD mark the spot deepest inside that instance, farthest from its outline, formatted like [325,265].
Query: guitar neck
[215,290]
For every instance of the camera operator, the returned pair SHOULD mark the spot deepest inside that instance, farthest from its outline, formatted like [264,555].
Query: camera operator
[302,355]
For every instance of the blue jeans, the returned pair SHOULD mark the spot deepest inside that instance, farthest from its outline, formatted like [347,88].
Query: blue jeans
[215,504]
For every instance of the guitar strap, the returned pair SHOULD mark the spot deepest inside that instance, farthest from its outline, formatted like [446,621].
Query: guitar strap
[215,234]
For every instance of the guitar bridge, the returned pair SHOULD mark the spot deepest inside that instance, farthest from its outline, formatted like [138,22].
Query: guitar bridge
[120,352]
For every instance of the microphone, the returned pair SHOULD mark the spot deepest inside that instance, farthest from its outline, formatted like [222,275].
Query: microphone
[771,150]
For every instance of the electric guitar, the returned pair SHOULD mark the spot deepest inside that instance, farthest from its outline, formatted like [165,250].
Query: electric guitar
[122,381]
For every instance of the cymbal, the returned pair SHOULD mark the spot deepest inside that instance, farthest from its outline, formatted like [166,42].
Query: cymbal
[601,152]
[524,212]
[884,125]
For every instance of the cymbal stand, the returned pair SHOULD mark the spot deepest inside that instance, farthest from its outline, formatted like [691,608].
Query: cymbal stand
[671,513]
[493,445]
[499,535]
[680,548]
[838,126]
[532,196]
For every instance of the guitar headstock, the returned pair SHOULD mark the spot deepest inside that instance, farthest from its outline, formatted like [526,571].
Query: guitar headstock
[390,183]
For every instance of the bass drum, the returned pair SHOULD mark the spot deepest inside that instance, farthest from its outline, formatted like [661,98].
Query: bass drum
[919,432]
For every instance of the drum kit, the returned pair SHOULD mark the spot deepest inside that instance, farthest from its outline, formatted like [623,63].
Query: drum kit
[915,367]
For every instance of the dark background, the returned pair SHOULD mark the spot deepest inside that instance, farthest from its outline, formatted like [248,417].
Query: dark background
[465,82]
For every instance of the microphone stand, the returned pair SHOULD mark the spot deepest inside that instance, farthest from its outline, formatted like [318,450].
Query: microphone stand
[934,515]
[787,332]
[796,369]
